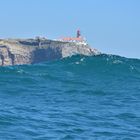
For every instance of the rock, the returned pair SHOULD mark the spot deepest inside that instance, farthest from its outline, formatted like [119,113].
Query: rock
[30,51]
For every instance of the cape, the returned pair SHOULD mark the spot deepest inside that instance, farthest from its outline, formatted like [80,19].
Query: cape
[30,51]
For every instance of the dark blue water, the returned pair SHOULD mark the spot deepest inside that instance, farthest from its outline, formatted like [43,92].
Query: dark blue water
[77,98]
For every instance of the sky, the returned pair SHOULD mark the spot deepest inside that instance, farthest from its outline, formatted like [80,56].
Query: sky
[111,26]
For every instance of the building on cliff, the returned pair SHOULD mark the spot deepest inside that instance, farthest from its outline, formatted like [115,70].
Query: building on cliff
[78,39]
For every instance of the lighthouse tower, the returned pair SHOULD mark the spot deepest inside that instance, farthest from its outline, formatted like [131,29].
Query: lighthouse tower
[78,34]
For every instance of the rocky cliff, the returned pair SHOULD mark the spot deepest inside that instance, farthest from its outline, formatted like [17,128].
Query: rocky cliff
[30,51]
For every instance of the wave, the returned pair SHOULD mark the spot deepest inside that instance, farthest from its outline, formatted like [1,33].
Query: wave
[100,64]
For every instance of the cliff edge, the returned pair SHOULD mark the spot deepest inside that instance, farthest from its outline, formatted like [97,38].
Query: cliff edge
[30,51]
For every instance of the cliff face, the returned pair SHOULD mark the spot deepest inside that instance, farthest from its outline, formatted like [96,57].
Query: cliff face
[30,51]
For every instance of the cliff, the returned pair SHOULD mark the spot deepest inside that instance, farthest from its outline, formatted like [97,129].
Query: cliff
[30,51]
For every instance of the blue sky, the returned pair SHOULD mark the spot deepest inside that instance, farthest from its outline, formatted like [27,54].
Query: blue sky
[111,26]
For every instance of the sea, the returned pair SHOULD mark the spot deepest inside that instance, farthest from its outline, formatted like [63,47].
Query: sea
[75,98]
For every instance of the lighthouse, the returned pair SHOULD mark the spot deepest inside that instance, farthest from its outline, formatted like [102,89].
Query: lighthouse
[78,34]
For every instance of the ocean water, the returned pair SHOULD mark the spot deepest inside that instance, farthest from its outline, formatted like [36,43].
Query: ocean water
[76,98]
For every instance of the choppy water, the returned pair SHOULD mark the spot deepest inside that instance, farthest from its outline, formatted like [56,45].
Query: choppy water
[77,98]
